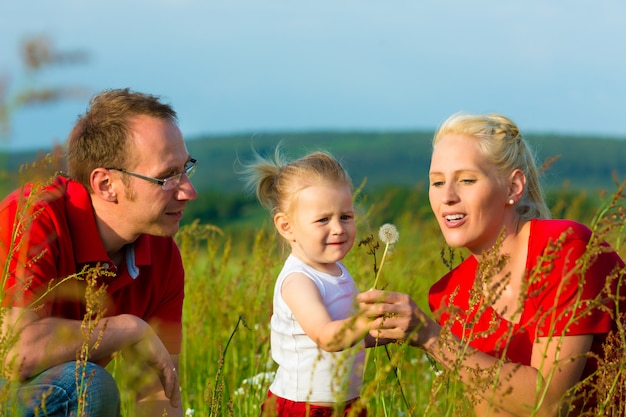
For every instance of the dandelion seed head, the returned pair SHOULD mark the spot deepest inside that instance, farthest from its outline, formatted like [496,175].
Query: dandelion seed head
[388,233]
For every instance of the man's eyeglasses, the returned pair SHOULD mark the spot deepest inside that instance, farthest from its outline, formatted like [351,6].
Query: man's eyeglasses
[168,183]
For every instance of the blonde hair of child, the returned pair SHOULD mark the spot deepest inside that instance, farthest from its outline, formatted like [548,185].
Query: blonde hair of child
[278,181]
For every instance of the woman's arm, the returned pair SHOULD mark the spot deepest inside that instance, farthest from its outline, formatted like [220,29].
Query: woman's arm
[538,390]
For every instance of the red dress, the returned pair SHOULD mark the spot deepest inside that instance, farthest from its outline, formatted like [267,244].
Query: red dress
[549,306]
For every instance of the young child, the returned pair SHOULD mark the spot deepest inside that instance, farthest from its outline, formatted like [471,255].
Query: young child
[317,338]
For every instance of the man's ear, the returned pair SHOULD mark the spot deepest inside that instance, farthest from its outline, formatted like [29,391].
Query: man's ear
[281,221]
[517,185]
[102,184]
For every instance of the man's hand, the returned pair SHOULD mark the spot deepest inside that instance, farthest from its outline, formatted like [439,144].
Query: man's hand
[151,351]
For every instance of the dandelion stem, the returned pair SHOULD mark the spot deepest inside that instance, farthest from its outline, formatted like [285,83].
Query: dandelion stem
[382,261]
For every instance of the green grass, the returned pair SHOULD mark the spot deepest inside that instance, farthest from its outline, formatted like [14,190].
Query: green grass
[225,365]
[225,288]
[228,307]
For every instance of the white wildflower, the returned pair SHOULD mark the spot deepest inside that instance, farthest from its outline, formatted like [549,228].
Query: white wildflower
[258,381]
[388,234]
[189,412]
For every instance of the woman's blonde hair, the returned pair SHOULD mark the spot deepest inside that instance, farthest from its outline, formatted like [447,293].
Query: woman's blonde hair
[501,142]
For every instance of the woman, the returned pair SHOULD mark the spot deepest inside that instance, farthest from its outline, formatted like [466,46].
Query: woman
[522,318]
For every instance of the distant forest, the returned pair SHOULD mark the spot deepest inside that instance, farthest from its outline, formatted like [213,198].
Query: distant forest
[402,158]
[394,163]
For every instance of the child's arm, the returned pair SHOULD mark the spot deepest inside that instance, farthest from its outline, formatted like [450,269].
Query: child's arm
[305,301]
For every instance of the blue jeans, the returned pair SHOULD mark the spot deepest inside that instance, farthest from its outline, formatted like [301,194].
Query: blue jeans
[55,393]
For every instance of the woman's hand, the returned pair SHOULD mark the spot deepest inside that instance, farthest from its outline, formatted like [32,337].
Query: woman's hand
[395,316]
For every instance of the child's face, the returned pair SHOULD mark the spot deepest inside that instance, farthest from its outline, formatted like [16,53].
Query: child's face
[321,226]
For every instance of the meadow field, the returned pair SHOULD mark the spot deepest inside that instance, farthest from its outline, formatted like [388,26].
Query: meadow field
[226,364]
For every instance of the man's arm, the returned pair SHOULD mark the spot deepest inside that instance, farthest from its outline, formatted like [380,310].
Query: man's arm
[40,343]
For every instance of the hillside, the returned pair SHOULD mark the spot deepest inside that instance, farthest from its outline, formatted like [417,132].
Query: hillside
[402,158]
[394,166]
[385,158]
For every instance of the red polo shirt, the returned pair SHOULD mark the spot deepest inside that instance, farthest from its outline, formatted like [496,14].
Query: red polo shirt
[48,233]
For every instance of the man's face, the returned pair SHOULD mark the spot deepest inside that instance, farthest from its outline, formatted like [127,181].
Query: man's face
[158,151]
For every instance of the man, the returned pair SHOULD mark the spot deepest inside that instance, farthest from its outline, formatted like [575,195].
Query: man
[105,229]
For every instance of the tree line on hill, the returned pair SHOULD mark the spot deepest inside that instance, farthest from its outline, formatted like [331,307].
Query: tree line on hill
[403,158]
[394,165]
[390,163]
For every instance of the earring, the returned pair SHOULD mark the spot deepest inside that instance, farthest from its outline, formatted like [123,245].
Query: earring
[511,202]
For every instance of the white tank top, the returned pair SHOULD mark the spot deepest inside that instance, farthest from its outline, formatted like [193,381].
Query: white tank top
[305,371]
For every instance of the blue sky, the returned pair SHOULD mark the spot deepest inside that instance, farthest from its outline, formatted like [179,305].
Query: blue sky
[233,66]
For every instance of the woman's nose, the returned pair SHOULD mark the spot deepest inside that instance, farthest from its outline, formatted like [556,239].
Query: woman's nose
[449,194]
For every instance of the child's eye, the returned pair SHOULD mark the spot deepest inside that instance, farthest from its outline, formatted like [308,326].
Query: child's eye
[323,220]
[347,217]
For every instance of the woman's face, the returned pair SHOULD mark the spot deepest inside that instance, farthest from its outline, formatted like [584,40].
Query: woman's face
[466,195]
